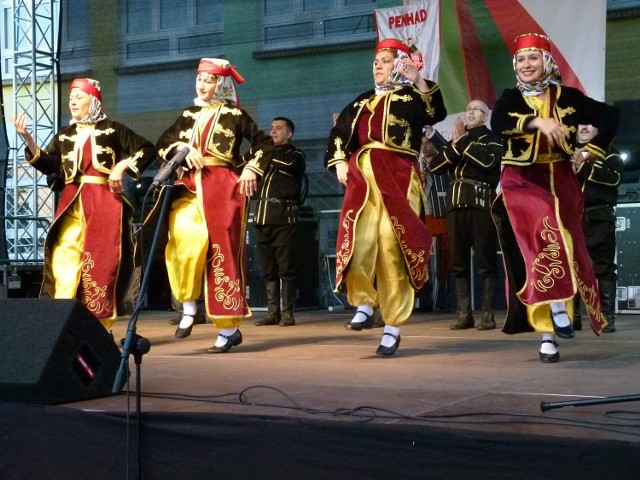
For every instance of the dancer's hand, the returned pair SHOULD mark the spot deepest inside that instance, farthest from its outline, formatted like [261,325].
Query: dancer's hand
[342,172]
[248,182]
[20,123]
[116,176]
[551,129]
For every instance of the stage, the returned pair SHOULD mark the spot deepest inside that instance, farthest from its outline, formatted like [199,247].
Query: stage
[315,401]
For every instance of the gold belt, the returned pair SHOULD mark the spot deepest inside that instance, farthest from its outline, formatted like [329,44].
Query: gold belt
[217,162]
[91,179]
[383,146]
[376,144]
[550,158]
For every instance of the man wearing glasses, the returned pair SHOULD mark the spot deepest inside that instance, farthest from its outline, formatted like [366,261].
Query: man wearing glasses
[472,158]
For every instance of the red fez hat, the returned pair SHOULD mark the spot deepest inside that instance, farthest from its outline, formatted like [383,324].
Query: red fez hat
[208,66]
[531,41]
[393,44]
[88,86]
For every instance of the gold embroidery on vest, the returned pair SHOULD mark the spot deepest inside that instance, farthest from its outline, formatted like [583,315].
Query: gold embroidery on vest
[185,135]
[106,131]
[401,98]
[395,121]
[109,151]
[226,133]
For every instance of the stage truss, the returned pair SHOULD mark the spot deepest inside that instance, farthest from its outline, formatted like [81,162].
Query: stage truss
[29,203]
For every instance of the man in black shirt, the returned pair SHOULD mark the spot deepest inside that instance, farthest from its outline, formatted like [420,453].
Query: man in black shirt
[600,180]
[472,158]
[275,219]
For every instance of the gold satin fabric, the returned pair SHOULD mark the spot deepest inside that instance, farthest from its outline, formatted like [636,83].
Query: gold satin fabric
[186,249]
[66,256]
[377,274]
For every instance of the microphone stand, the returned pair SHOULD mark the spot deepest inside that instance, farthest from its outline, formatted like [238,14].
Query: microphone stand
[544,406]
[134,344]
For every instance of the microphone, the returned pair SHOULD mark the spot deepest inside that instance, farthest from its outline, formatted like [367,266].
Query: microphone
[171,166]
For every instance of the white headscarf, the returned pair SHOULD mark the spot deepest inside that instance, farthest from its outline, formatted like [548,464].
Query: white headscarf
[92,88]
[225,88]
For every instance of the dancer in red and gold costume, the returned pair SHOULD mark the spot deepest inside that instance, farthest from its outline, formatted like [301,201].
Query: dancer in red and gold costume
[540,206]
[383,243]
[209,206]
[89,246]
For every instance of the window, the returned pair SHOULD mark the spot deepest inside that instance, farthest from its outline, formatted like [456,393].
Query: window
[6,53]
[75,45]
[289,23]
[15,32]
[615,5]
[156,29]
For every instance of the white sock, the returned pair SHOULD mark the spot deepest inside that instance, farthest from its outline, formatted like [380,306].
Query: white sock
[359,317]
[186,321]
[189,308]
[221,341]
[388,340]
[561,319]
[549,348]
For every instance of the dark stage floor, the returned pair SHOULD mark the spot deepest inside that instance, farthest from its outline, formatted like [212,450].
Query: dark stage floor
[479,380]
[479,392]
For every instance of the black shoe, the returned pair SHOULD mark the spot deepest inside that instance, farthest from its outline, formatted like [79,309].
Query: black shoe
[577,322]
[461,325]
[611,323]
[185,332]
[487,322]
[367,323]
[464,320]
[289,322]
[378,322]
[387,351]
[550,357]
[233,340]
[562,332]
[266,321]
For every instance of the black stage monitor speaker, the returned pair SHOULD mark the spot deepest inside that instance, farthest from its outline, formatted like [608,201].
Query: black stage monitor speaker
[54,351]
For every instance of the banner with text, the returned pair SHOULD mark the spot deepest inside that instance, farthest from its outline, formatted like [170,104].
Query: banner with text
[417,24]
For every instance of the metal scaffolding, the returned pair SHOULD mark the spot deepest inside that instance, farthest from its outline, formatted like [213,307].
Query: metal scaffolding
[29,203]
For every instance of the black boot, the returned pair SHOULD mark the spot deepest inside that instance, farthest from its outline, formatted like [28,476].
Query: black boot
[273,305]
[488,321]
[288,302]
[464,318]
[577,316]
[607,302]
